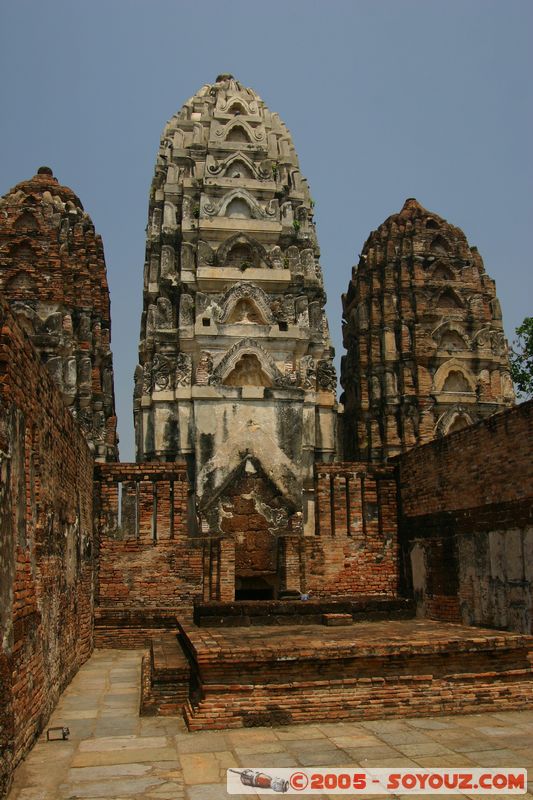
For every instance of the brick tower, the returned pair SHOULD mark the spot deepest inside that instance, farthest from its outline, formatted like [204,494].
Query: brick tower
[236,373]
[52,272]
[426,353]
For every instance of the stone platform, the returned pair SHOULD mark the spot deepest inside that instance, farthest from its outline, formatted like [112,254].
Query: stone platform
[165,675]
[114,754]
[297,612]
[134,627]
[283,674]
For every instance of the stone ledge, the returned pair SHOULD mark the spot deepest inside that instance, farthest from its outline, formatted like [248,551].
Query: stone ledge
[337,620]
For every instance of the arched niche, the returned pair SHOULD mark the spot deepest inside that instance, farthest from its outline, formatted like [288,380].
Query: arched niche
[267,375]
[247,371]
[241,255]
[455,382]
[245,302]
[432,224]
[440,272]
[240,249]
[453,376]
[448,299]
[454,420]
[460,422]
[26,222]
[237,107]
[245,311]
[21,285]
[458,340]
[238,169]
[238,208]
[22,252]
[238,134]
[439,245]
[247,208]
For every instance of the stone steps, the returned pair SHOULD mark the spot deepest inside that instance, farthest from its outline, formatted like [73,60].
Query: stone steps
[133,627]
[250,676]
[164,678]
[366,699]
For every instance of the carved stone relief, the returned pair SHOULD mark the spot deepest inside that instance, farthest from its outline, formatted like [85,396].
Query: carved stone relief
[183,370]
[326,376]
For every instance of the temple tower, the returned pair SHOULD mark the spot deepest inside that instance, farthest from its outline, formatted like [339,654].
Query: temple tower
[426,353]
[52,271]
[236,373]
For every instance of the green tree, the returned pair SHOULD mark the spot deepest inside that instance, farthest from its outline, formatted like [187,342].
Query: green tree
[521,358]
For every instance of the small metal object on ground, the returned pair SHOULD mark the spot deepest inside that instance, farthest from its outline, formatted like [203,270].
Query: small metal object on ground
[57,734]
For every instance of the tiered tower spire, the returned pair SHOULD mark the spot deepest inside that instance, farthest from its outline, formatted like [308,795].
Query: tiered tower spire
[423,330]
[52,271]
[235,357]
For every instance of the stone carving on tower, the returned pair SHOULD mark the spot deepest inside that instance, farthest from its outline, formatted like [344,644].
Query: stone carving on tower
[426,353]
[52,272]
[235,372]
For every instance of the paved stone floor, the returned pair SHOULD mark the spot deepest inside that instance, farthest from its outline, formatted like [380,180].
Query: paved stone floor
[114,754]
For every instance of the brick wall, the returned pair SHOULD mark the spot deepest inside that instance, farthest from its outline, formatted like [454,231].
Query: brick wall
[355,550]
[46,546]
[151,555]
[147,559]
[467,522]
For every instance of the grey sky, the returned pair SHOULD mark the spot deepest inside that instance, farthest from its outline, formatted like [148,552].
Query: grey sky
[386,99]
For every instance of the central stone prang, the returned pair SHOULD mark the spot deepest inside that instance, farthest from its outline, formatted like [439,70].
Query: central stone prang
[236,374]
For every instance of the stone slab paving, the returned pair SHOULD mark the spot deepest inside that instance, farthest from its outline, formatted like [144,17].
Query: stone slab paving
[114,754]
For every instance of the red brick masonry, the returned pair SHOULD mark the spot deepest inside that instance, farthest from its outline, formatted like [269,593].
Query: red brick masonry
[146,556]
[466,506]
[46,545]
[356,548]
[282,675]
[152,556]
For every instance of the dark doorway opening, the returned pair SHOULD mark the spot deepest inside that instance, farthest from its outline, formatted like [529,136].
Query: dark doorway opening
[253,588]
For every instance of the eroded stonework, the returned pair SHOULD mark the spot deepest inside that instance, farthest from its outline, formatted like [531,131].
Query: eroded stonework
[423,330]
[53,274]
[235,372]
[236,389]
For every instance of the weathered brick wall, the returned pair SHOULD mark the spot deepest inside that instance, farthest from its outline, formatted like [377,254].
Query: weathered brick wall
[359,672]
[46,545]
[152,557]
[147,559]
[467,522]
[355,550]
[134,627]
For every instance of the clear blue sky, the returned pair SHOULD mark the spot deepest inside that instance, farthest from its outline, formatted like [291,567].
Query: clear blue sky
[386,99]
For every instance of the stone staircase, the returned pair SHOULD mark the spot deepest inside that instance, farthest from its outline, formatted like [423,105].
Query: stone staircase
[331,701]
[164,678]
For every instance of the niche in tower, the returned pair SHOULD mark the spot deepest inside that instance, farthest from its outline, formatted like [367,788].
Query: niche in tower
[246,312]
[238,209]
[456,382]
[238,169]
[241,255]
[248,372]
[238,134]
